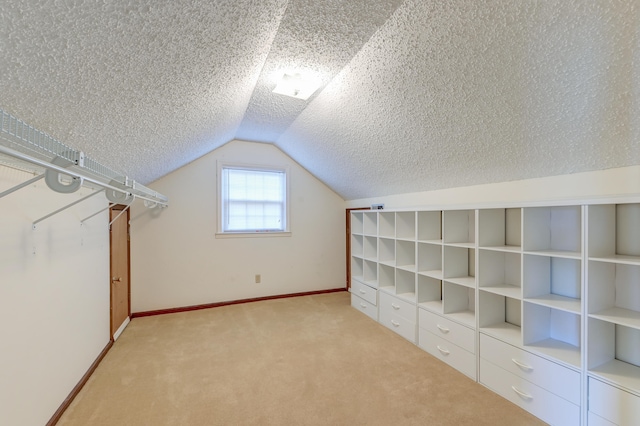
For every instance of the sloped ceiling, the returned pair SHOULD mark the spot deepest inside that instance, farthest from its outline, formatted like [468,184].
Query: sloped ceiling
[415,95]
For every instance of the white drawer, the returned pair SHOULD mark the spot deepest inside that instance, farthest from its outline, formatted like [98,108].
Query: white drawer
[400,325]
[457,357]
[365,292]
[539,402]
[363,306]
[613,404]
[553,377]
[598,421]
[399,307]
[449,330]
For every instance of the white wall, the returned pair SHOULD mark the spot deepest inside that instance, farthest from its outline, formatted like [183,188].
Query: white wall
[177,261]
[54,297]
[621,182]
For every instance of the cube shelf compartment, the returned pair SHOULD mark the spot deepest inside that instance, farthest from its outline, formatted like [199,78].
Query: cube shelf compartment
[387,224]
[430,226]
[429,294]
[370,248]
[406,285]
[357,223]
[614,233]
[370,223]
[406,225]
[387,251]
[357,247]
[499,273]
[614,293]
[552,332]
[406,255]
[553,231]
[459,303]
[500,317]
[460,228]
[459,266]
[370,273]
[430,260]
[554,282]
[357,268]
[613,353]
[500,229]
[387,278]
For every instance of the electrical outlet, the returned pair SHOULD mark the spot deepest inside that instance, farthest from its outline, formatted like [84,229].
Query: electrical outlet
[258,278]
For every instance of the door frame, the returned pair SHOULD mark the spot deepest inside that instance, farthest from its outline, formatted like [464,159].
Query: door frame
[125,216]
[348,250]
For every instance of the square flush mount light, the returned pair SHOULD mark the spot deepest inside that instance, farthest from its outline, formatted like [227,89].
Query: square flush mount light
[295,86]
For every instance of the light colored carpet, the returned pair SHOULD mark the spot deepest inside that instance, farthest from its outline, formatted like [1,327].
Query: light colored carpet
[309,360]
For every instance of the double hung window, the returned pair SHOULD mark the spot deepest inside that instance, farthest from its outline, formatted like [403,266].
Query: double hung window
[253,199]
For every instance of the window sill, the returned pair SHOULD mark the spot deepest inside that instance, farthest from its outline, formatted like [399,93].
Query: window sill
[252,234]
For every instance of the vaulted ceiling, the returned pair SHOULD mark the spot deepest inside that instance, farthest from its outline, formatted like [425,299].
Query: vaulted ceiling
[415,95]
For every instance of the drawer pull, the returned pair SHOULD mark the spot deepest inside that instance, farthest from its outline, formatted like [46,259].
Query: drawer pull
[445,330]
[395,323]
[525,367]
[443,351]
[394,306]
[522,394]
[362,291]
[363,305]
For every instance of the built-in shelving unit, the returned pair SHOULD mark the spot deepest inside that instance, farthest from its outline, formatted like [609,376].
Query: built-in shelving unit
[613,306]
[516,297]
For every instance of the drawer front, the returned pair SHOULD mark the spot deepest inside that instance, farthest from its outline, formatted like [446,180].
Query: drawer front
[539,402]
[449,330]
[365,292]
[553,377]
[399,307]
[367,308]
[613,404]
[400,325]
[595,420]
[457,357]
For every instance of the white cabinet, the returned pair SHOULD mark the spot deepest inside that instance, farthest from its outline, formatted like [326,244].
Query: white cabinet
[610,405]
[538,401]
[398,315]
[367,308]
[449,341]
[544,300]
[556,378]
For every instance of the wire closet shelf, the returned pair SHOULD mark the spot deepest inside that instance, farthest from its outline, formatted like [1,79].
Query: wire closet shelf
[26,148]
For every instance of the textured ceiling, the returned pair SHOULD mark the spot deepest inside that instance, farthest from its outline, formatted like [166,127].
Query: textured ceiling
[416,95]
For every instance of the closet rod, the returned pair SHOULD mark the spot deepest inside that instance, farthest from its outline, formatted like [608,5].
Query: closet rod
[22,185]
[65,207]
[74,173]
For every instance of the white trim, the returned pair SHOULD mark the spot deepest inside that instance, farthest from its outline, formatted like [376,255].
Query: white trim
[120,329]
[252,234]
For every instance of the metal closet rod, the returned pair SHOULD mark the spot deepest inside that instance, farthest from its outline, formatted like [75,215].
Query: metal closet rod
[74,173]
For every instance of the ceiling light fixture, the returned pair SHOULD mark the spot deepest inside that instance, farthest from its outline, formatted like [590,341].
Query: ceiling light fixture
[295,86]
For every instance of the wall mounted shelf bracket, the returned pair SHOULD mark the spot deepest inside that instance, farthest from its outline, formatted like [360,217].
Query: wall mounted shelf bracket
[65,207]
[20,186]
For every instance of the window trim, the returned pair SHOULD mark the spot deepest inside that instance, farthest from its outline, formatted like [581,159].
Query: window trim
[221,233]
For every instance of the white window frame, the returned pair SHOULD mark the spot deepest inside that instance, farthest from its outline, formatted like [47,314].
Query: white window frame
[252,233]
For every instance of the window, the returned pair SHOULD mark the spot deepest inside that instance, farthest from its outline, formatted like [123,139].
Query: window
[253,199]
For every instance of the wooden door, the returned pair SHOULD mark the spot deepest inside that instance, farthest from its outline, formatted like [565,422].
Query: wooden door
[120,289]
[348,229]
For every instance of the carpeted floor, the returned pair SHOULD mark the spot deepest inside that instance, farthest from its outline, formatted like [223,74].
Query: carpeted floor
[309,360]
